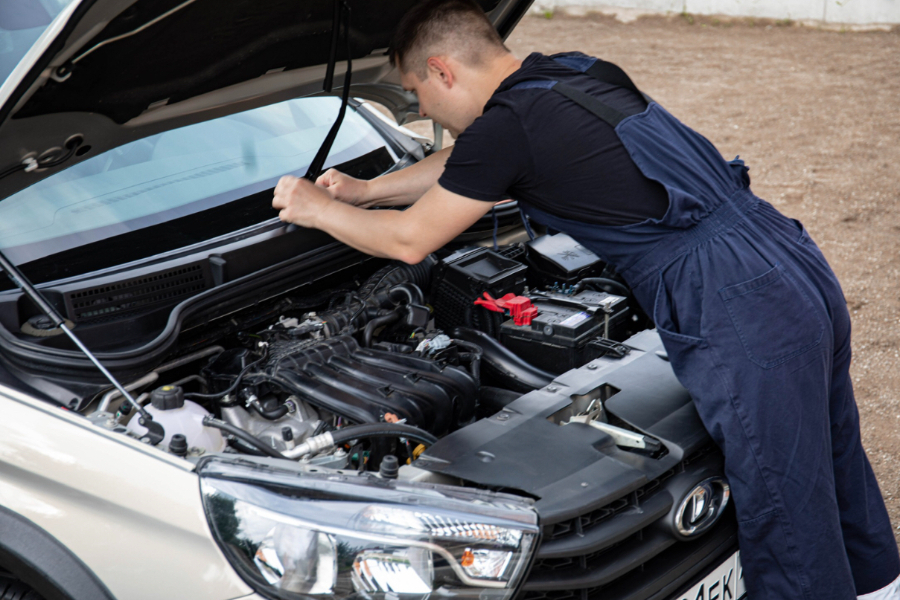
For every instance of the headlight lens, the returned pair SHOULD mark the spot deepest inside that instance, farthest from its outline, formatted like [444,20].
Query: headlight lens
[408,540]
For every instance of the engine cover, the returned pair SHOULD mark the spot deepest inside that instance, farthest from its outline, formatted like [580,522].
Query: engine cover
[363,385]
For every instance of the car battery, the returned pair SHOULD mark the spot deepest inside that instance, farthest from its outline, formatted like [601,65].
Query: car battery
[465,276]
[559,259]
[559,337]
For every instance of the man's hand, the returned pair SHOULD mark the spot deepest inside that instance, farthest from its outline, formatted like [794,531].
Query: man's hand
[407,235]
[344,188]
[300,201]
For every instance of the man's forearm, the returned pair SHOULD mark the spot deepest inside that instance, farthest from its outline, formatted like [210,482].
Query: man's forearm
[408,235]
[404,187]
[379,233]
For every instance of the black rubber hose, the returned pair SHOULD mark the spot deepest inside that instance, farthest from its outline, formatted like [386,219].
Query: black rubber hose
[377,291]
[371,430]
[242,435]
[410,291]
[513,372]
[231,388]
[603,284]
[271,415]
[474,357]
[377,322]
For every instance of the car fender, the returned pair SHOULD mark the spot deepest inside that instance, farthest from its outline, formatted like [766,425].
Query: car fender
[41,561]
[130,513]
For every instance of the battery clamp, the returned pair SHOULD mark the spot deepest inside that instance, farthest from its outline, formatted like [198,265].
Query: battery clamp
[519,308]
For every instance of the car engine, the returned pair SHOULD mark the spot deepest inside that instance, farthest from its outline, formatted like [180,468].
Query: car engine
[525,370]
[431,347]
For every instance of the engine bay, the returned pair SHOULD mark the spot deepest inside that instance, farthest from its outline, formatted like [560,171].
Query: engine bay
[367,376]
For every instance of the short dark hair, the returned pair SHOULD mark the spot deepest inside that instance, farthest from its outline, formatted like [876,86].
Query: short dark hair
[443,26]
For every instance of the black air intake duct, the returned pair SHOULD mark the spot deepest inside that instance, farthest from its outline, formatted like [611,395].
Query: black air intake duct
[387,288]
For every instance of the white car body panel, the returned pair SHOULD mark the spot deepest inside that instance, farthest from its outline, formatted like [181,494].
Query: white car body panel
[106,496]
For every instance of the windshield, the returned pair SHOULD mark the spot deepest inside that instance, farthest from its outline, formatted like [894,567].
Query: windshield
[178,173]
[21,23]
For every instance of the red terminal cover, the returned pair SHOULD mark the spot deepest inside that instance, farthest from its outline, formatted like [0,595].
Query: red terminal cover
[520,308]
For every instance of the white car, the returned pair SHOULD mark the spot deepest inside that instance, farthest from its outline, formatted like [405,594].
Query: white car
[262,412]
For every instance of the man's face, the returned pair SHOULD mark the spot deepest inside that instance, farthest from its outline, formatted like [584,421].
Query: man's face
[442,103]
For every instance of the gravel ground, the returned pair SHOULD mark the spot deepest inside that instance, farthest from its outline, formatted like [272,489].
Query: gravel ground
[816,115]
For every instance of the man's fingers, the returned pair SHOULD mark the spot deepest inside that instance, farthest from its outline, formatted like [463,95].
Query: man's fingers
[299,200]
[326,178]
[285,183]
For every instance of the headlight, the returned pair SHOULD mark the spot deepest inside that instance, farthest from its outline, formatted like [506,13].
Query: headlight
[293,535]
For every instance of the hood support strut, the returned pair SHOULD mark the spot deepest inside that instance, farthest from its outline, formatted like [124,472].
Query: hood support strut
[155,432]
[340,7]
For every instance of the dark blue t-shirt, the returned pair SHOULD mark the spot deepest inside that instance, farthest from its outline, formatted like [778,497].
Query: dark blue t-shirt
[539,147]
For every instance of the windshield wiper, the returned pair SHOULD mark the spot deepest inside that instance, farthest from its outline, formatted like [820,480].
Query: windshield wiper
[155,432]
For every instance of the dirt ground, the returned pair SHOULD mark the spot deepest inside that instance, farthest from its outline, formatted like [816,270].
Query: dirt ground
[816,116]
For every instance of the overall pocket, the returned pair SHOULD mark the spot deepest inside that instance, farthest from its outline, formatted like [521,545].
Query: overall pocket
[773,316]
[803,235]
[663,317]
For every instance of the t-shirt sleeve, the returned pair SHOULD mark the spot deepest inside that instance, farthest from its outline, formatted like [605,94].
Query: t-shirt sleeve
[489,157]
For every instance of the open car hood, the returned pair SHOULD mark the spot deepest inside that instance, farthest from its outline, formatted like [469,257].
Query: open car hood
[113,71]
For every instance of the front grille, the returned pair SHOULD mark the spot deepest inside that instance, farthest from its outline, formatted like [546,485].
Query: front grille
[623,550]
[674,569]
[141,294]
[578,525]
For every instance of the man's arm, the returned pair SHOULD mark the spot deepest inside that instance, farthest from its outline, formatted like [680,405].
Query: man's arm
[409,235]
[399,188]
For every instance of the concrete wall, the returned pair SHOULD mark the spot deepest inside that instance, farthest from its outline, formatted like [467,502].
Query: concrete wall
[857,12]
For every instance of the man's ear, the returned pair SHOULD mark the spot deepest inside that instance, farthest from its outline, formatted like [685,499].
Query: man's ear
[439,67]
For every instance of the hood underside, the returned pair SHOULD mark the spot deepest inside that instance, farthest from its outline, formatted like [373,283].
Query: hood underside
[120,70]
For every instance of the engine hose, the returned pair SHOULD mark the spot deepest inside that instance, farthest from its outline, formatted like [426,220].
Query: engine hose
[393,274]
[513,372]
[603,284]
[473,356]
[242,435]
[331,439]
[271,415]
[377,322]
[234,385]
[410,291]
[382,290]
[355,432]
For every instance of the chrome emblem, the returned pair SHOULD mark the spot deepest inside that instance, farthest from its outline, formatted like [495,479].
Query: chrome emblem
[702,506]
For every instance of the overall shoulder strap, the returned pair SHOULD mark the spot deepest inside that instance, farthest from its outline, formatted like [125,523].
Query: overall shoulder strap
[590,103]
[601,70]
[610,73]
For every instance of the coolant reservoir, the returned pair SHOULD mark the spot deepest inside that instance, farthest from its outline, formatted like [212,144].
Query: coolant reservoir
[177,415]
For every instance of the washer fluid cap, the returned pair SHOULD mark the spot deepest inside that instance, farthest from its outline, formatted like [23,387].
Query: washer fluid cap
[167,397]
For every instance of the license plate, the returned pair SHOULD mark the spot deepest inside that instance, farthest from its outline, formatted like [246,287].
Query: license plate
[725,582]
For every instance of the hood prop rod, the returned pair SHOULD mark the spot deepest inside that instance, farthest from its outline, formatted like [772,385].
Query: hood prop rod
[155,432]
[315,167]
[340,6]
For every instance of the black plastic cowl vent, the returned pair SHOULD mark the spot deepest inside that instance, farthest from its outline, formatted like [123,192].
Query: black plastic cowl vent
[137,295]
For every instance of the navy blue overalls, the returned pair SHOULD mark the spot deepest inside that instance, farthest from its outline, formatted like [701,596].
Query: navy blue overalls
[756,328]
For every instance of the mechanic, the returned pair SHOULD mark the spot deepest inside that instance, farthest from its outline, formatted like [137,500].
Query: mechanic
[752,317]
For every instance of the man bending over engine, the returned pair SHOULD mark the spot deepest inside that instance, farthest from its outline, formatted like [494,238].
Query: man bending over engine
[751,315]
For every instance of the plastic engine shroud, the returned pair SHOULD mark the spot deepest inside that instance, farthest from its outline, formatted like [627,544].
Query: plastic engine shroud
[363,384]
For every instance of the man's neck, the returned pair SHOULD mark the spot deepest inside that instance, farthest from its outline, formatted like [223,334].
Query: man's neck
[495,73]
